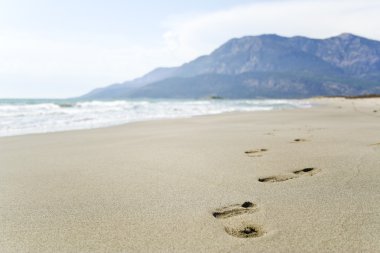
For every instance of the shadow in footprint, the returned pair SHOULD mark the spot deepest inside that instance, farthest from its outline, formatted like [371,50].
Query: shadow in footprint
[233,210]
[275,179]
[245,231]
[296,174]
[299,140]
[307,171]
[255,152]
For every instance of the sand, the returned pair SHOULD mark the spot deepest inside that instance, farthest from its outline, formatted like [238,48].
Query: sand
[281,181]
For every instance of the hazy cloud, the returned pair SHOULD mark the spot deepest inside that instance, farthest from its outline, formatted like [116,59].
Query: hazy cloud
[32,64]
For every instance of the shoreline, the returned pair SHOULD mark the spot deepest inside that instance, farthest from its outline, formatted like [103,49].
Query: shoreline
[158,119]
[295,180]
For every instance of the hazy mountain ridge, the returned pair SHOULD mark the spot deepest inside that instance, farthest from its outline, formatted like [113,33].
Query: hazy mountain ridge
[269,66]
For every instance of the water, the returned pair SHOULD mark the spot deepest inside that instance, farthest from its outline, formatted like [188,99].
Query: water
[24,116]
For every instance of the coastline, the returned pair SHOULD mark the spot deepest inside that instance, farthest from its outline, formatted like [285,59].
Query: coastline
[155,186]
[22,117]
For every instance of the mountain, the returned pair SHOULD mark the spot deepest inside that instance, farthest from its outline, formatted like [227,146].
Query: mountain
[266,66]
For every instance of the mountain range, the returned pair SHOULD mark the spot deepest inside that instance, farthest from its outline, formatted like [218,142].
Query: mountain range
[265,66]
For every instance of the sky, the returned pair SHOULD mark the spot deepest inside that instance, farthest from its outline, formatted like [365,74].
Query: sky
[60,49]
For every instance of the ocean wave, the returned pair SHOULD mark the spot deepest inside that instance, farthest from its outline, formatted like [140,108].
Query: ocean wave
[24,118]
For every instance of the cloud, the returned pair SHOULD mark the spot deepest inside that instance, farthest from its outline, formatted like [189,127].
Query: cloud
[67,66]
[59,67]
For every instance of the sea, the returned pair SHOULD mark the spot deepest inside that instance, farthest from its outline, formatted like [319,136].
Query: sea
[27,116]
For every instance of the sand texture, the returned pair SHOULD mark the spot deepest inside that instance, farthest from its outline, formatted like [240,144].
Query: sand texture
[281,181]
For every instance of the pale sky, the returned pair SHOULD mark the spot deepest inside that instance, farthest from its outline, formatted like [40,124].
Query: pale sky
[64,48]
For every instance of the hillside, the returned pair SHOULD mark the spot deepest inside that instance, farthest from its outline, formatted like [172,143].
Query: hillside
[266,66]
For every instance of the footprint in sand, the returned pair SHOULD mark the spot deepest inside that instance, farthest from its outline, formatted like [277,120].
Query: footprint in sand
[244,230]
[275,179]
[299,140]
[255,152]
[295,174]
[307,171]
[233,210]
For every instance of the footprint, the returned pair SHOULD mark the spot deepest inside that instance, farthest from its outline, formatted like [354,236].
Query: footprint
[245,231]
[297,173]
[275,179]
[307,171]
[233,210]
[255,152]
[299,140]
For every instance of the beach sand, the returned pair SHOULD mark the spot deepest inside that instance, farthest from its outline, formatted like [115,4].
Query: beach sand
[303,180]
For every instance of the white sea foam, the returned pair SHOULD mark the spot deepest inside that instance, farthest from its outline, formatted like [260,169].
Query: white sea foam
[39,117]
